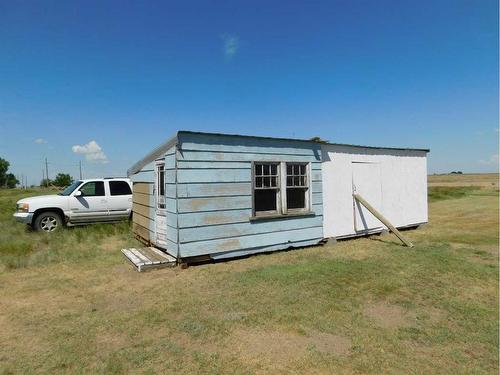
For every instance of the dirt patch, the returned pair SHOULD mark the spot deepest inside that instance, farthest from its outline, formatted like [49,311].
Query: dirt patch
[285,347]
[389,316]
[192,345]
[234,315]
[328,343]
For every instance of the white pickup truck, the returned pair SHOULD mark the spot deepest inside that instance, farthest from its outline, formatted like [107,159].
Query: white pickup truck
[83,202]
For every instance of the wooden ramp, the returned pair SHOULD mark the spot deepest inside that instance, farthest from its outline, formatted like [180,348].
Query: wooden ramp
[146,258]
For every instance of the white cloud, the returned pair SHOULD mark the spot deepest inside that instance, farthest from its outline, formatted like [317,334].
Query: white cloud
[40,141]
[92,151]
[493,160]
[231,45]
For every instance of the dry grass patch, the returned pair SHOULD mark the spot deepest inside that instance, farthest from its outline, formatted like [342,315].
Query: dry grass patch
[389,316]
[280,349]
[484,180]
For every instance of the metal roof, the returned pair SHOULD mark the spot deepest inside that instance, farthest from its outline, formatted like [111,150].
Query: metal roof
[307,140]
[161,149]
[153,155]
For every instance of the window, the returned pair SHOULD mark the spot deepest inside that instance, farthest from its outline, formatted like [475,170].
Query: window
[160,186]
[93,189]
[119,188]
[266,181]
[296,186]
[280,188]
[70,188]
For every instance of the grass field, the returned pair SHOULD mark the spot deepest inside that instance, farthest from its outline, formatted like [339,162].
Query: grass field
[72,304]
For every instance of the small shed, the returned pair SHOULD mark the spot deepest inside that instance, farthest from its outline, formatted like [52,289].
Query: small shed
[214,196]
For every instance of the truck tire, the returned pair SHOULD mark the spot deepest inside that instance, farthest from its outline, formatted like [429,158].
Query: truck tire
[48,221]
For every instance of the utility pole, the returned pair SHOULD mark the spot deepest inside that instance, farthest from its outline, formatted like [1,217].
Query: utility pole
[80,169]
[46,172]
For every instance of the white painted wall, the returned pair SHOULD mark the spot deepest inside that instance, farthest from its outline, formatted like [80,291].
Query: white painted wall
[403,176]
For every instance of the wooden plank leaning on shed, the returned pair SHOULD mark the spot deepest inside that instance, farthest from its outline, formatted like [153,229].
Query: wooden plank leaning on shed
[386,222]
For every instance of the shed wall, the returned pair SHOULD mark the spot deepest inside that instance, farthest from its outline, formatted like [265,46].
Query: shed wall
[214,196]
[144,206]
[403,176]
[143,211]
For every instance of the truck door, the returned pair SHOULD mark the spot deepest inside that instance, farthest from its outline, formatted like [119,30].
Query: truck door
[119,199]
[92,205]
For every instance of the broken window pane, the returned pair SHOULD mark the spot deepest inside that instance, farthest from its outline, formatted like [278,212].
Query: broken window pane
[266,186]
[296,198]
[297,188]
[265,200]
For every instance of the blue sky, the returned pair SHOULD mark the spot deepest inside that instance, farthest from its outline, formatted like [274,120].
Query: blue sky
[126,75]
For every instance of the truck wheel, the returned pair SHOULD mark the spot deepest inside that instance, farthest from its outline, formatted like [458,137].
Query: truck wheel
[47,222]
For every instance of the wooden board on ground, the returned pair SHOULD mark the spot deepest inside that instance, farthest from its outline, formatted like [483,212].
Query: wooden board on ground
[146,258]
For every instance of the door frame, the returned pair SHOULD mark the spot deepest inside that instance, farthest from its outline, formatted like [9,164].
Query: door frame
[160,203]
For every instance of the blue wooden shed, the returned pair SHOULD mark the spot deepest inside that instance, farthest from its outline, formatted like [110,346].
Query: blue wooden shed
[219,196]
[214,196]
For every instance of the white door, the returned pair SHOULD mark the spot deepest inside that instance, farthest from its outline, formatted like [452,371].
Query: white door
[366,181]
[119,199]
[91,205]
[161,205]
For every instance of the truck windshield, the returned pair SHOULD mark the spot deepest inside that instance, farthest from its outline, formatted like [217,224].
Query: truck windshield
[70,188]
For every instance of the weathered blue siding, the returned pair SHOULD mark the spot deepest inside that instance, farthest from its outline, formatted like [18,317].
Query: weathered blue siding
[171,201]
[214,196]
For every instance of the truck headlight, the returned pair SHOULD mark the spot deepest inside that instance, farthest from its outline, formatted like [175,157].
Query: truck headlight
[23,207]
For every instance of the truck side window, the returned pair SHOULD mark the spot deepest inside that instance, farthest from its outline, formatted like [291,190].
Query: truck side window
[119,188]
[93,189]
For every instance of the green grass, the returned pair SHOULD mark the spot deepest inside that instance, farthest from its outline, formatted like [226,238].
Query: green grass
[71,303]
[21,247]
[437,193]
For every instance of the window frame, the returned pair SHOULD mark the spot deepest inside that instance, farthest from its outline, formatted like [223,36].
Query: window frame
[307,188]
[277,188]
[111,182]
[160,210]
[282,210]
[92,182]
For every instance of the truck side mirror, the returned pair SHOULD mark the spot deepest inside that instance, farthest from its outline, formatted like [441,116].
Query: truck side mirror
[78,193]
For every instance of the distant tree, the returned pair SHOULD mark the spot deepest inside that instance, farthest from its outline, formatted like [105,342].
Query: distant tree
[7,180]
[11,181]
[319,140]
[4,167]
[63,179]
[46,182]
